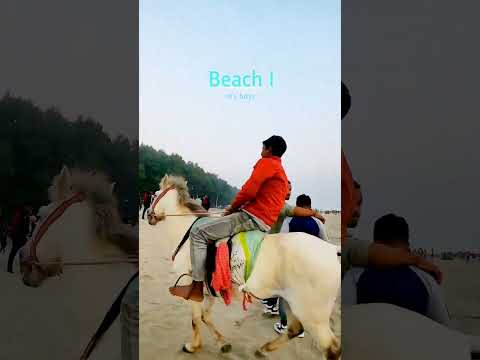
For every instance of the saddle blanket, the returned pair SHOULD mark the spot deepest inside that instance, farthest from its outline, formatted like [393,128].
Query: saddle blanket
[245,248]
[237,266]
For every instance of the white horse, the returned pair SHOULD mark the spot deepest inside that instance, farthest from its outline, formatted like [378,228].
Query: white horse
[383,331]
[81,224]
[296,266]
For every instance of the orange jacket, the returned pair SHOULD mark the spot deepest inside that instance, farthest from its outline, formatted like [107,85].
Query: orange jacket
[348,189]
[264,193]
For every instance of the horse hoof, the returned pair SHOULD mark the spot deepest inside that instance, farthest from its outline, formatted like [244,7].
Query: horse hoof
[260,354]
[226,348]
[185,349]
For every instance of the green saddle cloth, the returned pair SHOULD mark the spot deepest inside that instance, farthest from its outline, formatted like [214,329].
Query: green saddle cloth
[250,241]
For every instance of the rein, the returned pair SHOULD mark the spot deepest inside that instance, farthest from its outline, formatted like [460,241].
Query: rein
[107,321]
[133,260]
[184,240]
[54,215]
[164,192]
[197,213]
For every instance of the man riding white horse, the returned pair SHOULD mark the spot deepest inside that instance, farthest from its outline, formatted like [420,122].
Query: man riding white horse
[256,207]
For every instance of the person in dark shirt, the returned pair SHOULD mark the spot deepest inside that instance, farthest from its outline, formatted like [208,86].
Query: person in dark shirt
[398,285]
[307,225]
[147,200]
[304,224]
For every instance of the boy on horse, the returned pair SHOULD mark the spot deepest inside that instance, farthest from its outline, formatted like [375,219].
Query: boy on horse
[256,207]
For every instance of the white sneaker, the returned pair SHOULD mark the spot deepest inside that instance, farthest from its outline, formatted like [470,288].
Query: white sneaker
[271,310]
[279,328]
[282,329]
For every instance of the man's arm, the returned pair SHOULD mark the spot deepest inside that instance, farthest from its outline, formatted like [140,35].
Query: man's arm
[261,172]
[302,212]
[384,256]
[362,253]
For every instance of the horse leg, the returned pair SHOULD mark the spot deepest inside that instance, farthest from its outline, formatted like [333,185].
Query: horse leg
[206,318]
[196,342]
[295,328]
[326,340]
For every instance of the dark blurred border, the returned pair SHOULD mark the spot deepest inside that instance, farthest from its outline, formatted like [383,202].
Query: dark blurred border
[411,139]
[68,97]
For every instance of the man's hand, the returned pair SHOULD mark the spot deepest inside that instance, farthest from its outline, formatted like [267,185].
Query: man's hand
[229,211]
[319,216]
[430,268]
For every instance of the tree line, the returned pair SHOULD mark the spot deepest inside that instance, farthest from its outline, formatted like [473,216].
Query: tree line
[154,164]
[36,143]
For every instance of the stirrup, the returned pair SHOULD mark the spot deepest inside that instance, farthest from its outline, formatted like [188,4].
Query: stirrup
[180,278]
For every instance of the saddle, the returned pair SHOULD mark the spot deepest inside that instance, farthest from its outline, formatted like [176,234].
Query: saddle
[242,248]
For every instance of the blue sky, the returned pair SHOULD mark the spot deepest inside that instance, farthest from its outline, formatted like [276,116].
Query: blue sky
[180,42]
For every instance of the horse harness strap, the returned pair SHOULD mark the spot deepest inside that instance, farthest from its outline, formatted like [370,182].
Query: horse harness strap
[184,240]
[161,195]
[54,215]
[107,321]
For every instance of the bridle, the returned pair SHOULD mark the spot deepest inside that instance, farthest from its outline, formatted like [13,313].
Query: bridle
[32,258]
[51,218]
[164,192]
[161,195]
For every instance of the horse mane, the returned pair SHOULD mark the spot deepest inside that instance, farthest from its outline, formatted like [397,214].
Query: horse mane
[184,199]
[99,193]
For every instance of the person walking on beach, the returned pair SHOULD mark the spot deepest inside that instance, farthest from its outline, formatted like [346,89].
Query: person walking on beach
[206,202]
[256,207]
[3,231]
[18,233]
[147,200]
[32,220]
[306,224]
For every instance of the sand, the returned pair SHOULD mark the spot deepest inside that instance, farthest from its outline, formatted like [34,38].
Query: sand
[165,321]
[56,320]
[461,287]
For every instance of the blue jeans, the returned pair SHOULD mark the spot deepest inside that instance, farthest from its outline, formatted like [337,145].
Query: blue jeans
[283,313]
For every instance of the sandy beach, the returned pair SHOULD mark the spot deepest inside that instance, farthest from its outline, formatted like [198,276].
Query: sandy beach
[56,320]
[461,287]
[165,322]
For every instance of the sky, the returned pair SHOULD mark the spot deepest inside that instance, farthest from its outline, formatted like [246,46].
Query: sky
[181,41]
[412,133]
[76,56]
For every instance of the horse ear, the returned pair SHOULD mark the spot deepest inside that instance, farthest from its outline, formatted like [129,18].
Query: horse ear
[65,172]
[163,181]
[64,182]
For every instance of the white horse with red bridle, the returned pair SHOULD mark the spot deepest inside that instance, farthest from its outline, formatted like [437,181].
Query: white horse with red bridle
[82,226]
[296,266]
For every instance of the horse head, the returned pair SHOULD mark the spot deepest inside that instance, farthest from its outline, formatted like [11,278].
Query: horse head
[172,198]
[79,222]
